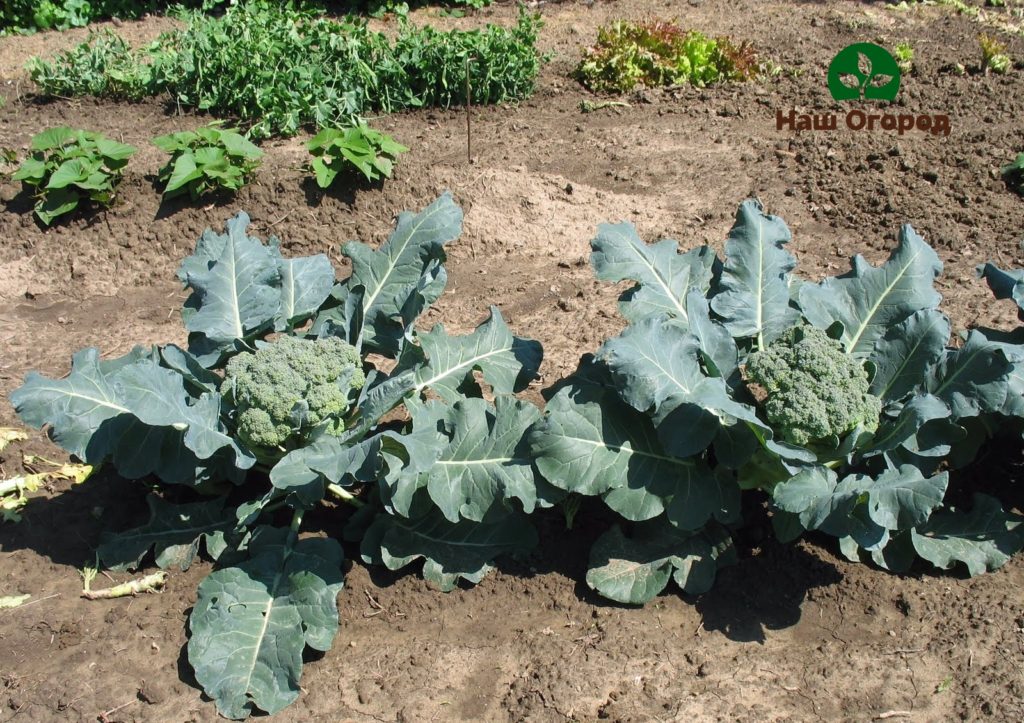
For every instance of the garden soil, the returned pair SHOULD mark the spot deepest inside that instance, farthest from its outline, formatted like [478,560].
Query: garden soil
[793,632]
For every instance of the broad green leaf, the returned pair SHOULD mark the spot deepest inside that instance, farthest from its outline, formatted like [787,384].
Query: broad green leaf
[982,539]
[251,622]
[1005,284]
[663,275]
[451,551]
[209,158]
[868,301]
[156,396]
[239,292]
[905,352]
[238,145]
[54,138]
[57,203]
[32,170]
[390,274]
[112,150]
[306,471]
[75,408]
[974,378]
[183,173]
[306,283]
[92,414]
[635,569]
[590,443]
[859,506]
[173,531]
[196,377]
[914,429]
[508,363]
[69,172]
[899,499]
[754,299]
[718,348]
[324,173]
[484,459]
[656,365]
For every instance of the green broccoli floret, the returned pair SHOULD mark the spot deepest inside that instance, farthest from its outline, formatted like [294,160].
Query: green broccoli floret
[814,388]
[290,386]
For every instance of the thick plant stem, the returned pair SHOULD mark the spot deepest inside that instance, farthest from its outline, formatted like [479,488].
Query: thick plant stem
[344,495]
[149,583]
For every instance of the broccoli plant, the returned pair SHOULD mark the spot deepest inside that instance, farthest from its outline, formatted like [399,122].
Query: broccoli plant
[843,402]
[813,390]
[288,391]
[277,404]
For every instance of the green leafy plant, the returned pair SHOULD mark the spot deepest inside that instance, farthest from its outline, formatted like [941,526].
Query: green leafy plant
[661,53]
[67,166]
[276,404]
[842,402]
[1013,174]
[904,55]
[357,147]
[278,68]
[207,158]
[993,55]
[24,16]
[104,65]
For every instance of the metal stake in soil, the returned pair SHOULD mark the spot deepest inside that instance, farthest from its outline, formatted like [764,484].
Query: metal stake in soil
[469,103]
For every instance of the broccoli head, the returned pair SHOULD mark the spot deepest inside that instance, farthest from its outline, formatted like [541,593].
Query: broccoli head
[814,388]
[292,385]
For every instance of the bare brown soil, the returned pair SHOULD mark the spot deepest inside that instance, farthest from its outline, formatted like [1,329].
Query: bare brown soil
[791,633]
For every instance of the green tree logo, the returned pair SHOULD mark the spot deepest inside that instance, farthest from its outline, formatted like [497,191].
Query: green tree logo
[864,71]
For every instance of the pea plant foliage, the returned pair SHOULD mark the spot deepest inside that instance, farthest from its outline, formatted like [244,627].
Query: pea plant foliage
[845,402]
[275,404]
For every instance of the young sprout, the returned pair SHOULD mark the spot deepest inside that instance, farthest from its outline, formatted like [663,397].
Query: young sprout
[993,55]
[904,54]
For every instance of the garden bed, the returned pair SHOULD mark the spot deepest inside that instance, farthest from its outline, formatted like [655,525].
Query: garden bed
[791,632]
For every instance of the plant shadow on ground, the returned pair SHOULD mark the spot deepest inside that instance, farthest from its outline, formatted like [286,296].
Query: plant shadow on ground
[168,207]
[346,189]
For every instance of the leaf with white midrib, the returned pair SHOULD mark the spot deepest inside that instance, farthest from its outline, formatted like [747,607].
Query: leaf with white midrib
[481,459]
[251,622]
[507,363]
[982,539]
[389,274]
[868,301]
[663,276]
[174,529]
[451,551]
[754,299]
[236,292]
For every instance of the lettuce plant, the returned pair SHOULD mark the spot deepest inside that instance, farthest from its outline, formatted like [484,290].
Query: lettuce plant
[68,166]
[660,53]
[206,159]
[726,382]
[447,479]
